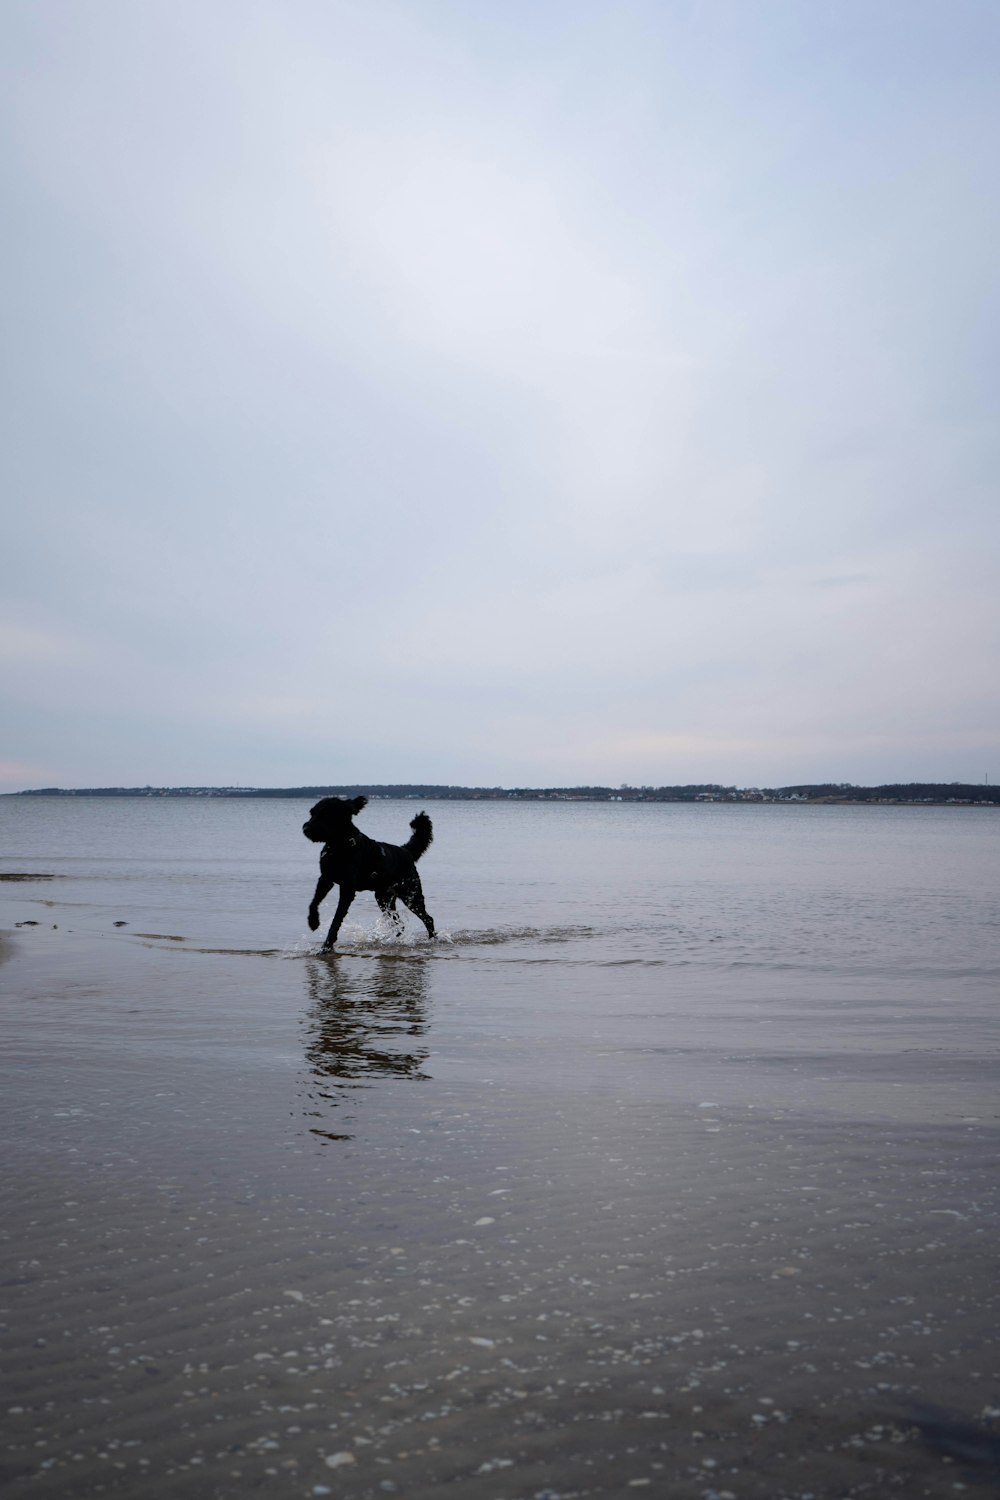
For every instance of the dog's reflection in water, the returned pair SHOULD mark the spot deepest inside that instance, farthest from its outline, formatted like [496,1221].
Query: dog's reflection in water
[363,1024]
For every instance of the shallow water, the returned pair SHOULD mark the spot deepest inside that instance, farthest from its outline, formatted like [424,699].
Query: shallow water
[673,1161]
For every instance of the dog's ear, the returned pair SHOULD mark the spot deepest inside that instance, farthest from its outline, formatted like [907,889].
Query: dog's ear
[356,804]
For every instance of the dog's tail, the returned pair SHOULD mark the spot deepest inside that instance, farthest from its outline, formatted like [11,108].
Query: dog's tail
[419,841]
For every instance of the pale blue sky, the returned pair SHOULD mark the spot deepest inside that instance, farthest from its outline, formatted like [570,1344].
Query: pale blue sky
[534,392]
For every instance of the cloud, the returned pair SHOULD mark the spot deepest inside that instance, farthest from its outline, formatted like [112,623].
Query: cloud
[416,391]
[24,645]
[843,580]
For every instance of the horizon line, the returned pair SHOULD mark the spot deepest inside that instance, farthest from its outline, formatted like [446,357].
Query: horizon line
[425,788]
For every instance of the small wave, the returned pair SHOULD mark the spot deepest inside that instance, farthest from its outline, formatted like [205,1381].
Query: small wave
[496,936]
[384,935]
[245,952]
[386,939]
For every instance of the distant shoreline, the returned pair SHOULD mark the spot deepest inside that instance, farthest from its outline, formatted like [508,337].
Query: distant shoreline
[897,794]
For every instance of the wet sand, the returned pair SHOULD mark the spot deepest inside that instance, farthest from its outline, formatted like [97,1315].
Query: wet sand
[302,1227]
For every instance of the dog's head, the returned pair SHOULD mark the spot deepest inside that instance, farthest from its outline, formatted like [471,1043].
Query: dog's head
[331,818]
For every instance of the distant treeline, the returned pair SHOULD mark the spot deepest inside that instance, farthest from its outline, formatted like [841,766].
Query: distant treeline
[825,792]
[906,791]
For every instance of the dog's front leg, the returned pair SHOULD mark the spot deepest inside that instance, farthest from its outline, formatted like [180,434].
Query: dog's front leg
[347,895]
[323,887]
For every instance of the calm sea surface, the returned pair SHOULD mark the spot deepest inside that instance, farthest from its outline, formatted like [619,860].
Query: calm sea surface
[811,939]
[672,1162]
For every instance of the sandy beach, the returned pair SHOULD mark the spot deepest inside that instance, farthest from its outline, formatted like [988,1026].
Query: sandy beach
[531,1212]
[235,1273]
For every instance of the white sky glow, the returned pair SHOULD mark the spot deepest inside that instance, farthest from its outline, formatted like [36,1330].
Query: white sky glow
[522,394]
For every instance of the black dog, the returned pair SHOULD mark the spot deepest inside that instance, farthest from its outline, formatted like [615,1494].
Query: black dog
[357,863]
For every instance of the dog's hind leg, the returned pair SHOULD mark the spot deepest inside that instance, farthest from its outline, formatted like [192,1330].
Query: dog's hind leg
[387,906]
[412,895]
[343,906]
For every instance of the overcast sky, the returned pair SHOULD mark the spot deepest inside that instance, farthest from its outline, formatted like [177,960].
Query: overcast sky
[499,391]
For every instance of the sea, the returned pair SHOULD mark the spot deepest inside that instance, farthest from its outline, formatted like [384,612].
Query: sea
[670,1163]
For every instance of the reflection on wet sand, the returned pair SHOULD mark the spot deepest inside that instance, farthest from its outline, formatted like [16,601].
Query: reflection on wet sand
[360,1026]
